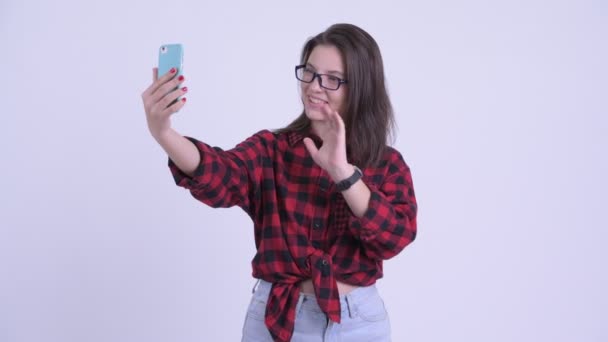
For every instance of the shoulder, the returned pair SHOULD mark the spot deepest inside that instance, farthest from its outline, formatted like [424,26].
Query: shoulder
[392,165]
[393,160]
[392,173]
[261,138]
[280,138]
[269,136]
[266,142]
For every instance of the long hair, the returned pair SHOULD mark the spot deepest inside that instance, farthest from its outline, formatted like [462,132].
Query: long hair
[368,117]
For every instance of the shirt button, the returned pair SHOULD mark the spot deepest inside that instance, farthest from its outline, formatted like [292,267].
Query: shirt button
[317,225]
[324,262]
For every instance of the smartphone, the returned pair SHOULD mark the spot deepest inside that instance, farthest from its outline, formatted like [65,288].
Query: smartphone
[170,56]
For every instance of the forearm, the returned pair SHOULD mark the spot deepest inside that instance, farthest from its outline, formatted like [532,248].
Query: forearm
[388,224]
[358,195]
[180,150]
[383,220]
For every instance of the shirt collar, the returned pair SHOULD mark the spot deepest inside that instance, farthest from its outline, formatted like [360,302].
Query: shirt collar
[294,137]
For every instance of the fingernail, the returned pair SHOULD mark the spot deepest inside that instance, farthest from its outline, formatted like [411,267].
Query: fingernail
[183,99]
[181,77]
[173,70]
[185,89]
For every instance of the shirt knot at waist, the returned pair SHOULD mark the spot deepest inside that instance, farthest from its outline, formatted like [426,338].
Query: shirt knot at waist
[284,295]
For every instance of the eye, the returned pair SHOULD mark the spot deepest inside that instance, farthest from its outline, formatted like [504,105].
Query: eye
[333,79]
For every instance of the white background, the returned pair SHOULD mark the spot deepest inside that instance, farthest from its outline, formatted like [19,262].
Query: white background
[502,109]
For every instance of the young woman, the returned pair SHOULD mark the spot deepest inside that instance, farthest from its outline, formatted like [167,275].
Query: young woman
[329,199]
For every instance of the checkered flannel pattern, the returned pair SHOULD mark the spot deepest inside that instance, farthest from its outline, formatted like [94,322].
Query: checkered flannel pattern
[303,227]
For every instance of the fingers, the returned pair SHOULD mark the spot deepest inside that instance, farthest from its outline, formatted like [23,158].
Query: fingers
[161,99]
[311,147]
[167,76]
[326,110]
[158,95]
[333,117]
[168,101]
[175,107]
[167,88]
[159,82]
[337,120]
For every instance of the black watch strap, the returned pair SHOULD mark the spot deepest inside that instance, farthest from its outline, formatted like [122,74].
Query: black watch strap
[348,182]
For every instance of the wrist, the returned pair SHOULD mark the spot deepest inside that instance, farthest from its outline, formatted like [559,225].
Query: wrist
[161,135]
[348,181]
[343,172]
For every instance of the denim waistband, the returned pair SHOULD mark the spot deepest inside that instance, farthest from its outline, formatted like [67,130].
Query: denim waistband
[348,302]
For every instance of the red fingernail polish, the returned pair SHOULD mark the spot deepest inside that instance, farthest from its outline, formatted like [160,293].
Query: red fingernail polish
[183,99]
[181,77]
[184,89]
[173,70]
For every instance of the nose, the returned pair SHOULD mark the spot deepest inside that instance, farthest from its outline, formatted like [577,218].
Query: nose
[316,85]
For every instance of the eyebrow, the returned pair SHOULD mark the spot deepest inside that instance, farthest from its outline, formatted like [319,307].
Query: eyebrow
[335,72]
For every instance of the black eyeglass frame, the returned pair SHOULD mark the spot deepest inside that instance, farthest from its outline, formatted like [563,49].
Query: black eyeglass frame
[315,75]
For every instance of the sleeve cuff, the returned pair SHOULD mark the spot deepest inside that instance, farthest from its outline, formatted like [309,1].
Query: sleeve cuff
[370,224]
[184,180]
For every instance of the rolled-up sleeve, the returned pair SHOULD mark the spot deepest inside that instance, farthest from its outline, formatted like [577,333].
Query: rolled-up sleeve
[224,178]
[389,224]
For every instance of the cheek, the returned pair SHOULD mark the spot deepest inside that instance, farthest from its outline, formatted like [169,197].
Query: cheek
[338,101]
[303,87]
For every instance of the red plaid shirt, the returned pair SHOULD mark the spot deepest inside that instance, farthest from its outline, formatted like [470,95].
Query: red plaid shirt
[303,227]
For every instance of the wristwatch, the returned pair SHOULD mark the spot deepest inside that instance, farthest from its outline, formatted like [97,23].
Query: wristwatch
[348,182]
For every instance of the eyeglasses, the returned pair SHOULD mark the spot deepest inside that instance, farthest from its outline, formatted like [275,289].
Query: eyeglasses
[326,81]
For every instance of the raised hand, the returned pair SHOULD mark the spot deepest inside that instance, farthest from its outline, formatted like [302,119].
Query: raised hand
[332,155]
[158,101]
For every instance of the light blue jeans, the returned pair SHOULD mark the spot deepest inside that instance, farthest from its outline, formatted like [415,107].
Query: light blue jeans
[364,318]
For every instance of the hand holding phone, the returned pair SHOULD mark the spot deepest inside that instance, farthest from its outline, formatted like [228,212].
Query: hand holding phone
[164,96]
[171,56]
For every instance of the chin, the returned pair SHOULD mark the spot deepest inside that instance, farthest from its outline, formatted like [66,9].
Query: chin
[313,114]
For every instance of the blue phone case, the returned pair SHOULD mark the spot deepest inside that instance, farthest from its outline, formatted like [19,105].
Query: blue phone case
[170,56]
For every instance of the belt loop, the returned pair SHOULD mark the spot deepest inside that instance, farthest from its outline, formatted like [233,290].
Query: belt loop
[352,312]
[254,286]
[301,301]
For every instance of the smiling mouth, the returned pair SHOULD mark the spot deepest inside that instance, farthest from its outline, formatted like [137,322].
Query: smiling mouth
[316,101]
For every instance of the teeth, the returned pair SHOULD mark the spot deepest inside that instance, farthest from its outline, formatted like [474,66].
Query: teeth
[315,101]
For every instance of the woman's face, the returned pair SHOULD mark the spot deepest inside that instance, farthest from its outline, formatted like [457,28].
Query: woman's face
[324,59]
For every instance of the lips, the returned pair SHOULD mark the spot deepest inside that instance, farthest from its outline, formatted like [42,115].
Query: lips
[315,102]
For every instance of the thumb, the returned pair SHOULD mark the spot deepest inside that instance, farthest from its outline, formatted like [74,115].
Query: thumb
[154,74]
[311,147]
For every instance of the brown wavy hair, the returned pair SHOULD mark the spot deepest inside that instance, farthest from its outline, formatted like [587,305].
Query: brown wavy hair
[368,117]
